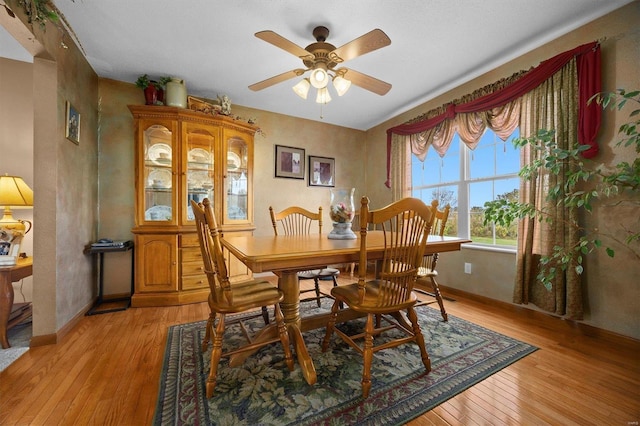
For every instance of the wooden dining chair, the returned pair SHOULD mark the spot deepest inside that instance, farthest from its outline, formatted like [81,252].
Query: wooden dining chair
[405,226]
[426,284]
[226,298]
[299,221]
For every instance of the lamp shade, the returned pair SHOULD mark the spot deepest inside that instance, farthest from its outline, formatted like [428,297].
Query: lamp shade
[302,88]
[323,96]
[15,193]
[341,85]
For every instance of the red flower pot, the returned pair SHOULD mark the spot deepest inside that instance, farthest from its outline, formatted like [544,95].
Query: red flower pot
[150,95]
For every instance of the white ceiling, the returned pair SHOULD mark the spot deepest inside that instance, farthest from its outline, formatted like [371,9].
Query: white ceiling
[436,45]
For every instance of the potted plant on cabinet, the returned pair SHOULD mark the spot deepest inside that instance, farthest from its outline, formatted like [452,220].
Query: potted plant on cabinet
[149,89]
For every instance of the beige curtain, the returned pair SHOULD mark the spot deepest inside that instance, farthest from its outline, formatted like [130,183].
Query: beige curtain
[553,105]
[401,172]
[470,126]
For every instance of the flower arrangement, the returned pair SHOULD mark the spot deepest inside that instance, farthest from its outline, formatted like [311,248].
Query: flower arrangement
[341,213]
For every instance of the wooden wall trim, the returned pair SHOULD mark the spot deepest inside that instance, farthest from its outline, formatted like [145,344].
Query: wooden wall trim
[54,338]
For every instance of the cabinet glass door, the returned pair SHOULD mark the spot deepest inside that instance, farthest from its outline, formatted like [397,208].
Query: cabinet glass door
[237,177]
[200,144]
[158,174]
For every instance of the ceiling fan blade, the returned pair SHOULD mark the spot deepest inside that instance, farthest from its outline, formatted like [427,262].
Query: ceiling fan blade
[277,79]
[373,40]
[365,81]
[284,44]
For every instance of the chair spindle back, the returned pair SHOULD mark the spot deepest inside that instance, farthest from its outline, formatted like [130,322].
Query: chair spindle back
[295,220]
[438,224]
[211,248]
[405,225]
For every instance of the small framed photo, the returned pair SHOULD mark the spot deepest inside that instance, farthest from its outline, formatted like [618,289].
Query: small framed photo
[322,171]
[10,241]
[289,162]
[73,124]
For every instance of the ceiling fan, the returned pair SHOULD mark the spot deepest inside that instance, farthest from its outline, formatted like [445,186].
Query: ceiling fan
[322,58]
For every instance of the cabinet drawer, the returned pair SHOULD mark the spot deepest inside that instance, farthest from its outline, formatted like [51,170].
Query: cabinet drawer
[190,240]
[194,281]
[192,268]
[190,255]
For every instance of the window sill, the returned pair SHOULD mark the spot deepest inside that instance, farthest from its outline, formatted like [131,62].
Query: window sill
[483,247]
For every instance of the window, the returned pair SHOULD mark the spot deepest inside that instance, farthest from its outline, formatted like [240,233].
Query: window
[466,179]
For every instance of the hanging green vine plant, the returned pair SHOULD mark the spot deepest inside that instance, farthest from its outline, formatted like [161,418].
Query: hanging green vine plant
[38,11]
[41,11]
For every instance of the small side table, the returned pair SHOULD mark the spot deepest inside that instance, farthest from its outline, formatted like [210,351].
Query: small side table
[100,251]
[8,274]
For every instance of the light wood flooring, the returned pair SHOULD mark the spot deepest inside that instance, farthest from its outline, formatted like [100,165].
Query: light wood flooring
[106,371]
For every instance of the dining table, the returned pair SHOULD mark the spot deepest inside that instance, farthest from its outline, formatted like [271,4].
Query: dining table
[286,255]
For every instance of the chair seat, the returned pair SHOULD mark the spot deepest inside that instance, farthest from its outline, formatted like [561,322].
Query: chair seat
[349,295]
[426,272]
[318,273]
[246,295]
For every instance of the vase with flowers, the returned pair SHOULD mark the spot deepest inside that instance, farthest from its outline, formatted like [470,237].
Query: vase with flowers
[341,213]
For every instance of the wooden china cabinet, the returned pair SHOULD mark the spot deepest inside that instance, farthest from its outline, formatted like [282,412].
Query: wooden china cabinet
[183,155]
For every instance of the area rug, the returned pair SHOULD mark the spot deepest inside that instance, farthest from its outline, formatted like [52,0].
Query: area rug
[263,392]
[18,337]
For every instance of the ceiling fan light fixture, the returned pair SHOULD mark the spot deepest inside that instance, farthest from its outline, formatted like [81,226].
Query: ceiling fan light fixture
[341,85]
[320,76]
[302,88]
[323,96]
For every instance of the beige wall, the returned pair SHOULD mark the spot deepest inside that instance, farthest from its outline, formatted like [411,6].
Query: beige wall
[346,146]
[609,284]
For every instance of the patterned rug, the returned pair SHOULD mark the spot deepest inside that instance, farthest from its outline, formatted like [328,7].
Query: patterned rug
[263,392]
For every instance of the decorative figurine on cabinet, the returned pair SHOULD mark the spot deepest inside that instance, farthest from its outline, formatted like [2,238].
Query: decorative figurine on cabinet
[225,103]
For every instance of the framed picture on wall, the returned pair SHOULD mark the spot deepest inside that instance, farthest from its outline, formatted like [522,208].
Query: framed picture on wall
[322,171]
[73,124]
[289,162]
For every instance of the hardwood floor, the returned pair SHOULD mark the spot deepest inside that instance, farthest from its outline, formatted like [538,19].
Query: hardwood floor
[106,371]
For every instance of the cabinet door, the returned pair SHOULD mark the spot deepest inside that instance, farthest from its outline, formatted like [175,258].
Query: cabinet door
[199,142]
[156,263]
[157,171]
[237,204]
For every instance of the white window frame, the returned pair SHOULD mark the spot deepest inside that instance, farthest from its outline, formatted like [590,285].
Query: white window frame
[463,199]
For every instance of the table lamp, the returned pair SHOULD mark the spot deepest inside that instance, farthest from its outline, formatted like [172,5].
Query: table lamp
[16,194]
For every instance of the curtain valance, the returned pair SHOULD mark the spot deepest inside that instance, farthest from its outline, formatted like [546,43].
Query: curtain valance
[588,64]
